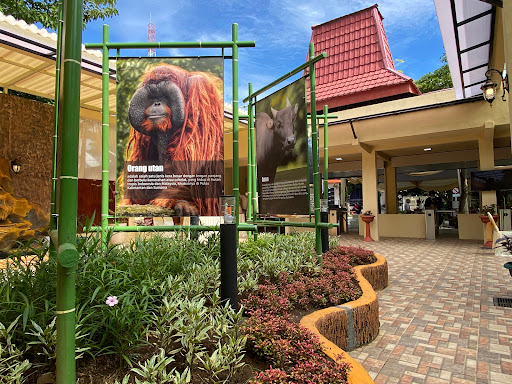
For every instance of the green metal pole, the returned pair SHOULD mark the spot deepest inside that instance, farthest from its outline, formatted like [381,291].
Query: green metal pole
[326,160]
[176,228]
[309,179]
[173,44]
[300,68]
[104,135]
[314,138]
[53,209]
[236,181]
[68,179]
[250,175]
[53,205]
[254,181]
[269,223]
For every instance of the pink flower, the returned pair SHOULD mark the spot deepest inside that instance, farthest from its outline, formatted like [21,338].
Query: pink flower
[111,301]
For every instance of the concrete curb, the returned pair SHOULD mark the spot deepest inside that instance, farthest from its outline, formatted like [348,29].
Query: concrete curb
[354,323]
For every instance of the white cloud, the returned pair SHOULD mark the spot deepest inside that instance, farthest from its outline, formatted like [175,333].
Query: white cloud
[280,28]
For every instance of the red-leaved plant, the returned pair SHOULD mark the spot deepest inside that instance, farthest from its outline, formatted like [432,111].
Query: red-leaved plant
[334,284]
[293,349]
[294,353]
[353,255]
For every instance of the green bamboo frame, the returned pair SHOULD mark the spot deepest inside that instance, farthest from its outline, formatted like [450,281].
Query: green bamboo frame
[64,214]
[106,45]
[67,255]
[318,225]
[326,158]
[325,116]
[166,228]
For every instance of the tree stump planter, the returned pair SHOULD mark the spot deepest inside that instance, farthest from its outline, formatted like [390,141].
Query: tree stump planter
[352,324]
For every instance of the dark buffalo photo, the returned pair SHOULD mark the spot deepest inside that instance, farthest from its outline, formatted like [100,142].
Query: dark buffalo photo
[274,136]
[281,151]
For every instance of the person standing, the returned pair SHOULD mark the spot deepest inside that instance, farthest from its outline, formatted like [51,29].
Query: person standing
[429,202]
[407,206]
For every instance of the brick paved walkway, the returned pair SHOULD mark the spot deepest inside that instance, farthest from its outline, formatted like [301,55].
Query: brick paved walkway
[438,323]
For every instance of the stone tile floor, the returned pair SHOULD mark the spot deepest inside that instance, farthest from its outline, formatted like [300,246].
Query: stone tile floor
[438,323]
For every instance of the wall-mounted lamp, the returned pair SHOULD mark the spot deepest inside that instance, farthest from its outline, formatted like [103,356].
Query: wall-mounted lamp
[489,87]
[15,166]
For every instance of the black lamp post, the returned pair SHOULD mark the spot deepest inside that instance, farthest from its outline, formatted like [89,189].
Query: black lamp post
[228,249]
[324,218]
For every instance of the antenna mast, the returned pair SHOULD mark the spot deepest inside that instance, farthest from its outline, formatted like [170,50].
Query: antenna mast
[151,37]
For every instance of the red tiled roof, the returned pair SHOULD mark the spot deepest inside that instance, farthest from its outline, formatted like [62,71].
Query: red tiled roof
[358,61]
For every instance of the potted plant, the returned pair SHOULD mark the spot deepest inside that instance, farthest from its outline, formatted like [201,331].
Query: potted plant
[488,209]
[484,218]
[367,217]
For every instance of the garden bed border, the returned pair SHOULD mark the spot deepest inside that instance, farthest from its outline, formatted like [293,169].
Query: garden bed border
[352,324]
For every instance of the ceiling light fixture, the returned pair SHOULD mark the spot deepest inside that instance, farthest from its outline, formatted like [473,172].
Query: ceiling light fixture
[339,158]
[427,149]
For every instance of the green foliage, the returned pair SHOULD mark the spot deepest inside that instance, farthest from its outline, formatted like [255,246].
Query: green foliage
[272,254]
[488,208]
[45,343]
[437,80]
[168,302]
[154,371]
[12,365]
[46,12]
[191,327]
[41,99]
[28,288]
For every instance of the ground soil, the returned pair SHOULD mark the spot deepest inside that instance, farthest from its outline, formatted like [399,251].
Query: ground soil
[108,368]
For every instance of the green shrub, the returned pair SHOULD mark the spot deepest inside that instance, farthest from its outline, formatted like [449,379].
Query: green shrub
[158,292]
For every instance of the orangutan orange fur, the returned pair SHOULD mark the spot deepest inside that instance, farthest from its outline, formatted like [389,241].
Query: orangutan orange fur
[194,146]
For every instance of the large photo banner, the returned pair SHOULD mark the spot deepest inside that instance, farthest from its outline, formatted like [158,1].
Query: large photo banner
[281,151]
[170,149]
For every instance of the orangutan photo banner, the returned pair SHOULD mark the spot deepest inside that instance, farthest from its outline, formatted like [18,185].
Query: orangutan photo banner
[281,151]
[170,148]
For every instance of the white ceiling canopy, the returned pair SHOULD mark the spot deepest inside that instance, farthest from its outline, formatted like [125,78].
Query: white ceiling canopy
[27,64]
[467,30]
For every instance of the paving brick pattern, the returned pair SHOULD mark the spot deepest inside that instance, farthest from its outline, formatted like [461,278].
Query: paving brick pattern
[438,323]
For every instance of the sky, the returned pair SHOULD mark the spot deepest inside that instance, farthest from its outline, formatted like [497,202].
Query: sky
[281,30]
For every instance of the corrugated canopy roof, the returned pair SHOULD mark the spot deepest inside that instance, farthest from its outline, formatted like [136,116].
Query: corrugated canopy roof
[359,66]
[27,64]
[466,28]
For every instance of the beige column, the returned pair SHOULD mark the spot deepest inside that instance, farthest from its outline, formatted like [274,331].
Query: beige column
[486,157]
[370,194]
[507,42]
[343,192]
[390,185]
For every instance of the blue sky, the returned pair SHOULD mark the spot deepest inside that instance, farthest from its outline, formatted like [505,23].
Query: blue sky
[281,30]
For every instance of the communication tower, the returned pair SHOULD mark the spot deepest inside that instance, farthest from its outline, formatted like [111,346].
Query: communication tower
[151,37]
